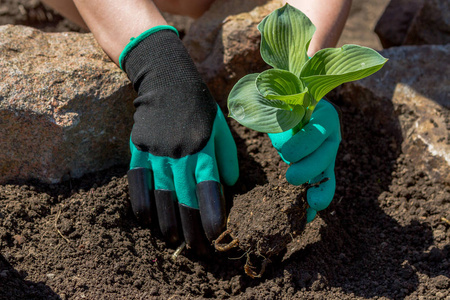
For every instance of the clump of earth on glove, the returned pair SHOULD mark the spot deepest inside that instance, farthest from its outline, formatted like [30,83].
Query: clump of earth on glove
[262,224]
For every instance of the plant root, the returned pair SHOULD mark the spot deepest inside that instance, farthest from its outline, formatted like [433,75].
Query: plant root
[445,220]
[178,251]
[57,230]
[226,247]
[250,269]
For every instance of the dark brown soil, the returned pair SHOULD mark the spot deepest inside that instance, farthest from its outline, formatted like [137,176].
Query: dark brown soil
[385,235]
[264,220]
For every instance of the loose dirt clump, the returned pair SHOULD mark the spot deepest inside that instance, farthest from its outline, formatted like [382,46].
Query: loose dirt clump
[263,221]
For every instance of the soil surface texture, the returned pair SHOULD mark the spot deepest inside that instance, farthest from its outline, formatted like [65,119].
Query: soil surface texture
[263,221]
[385,235]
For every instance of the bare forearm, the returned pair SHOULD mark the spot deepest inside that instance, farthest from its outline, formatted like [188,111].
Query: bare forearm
[114,22]
[68,9]
[329,17]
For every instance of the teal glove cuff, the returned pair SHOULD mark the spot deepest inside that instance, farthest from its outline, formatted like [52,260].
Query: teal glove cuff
[134,41]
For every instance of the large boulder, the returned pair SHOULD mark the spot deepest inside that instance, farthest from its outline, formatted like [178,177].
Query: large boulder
[409,95]
[431,25]
[414,22]
[395,21]
[65,108]
[224,42]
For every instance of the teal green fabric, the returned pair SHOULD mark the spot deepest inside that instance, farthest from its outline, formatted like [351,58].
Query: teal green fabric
[311,154]
[216,161]
[134,41]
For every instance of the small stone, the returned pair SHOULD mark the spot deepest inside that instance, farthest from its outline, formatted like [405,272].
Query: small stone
[138,283]
[439,235]
[19,239]
[442,282]
[347,157]
[50,275]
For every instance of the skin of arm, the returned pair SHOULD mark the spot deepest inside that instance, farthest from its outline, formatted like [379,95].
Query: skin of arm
[114,22]
[329,17]
[68,9]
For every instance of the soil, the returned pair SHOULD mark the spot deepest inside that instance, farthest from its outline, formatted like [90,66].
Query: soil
[263,221]
[265,226]
[385,235]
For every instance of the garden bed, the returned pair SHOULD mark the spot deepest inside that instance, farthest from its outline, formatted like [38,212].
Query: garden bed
[386,233]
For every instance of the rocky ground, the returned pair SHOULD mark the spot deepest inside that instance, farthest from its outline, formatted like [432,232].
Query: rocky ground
[386,235]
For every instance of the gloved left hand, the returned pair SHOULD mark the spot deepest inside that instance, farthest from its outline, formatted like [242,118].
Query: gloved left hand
[311,153]
[181,146]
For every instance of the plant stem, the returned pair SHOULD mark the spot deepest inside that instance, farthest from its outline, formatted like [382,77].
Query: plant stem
[305,118]
[297,127]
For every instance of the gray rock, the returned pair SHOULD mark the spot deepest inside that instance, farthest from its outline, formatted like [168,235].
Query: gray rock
[395,21]
[409,97]
[442,282]
[181,23]
[431,25]
[65,108]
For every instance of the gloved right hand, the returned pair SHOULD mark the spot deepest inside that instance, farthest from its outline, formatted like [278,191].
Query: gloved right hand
[311,154]
[181,146]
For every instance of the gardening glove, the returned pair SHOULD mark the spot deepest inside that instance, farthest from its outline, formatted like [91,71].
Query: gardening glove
[181,146]
[311,153]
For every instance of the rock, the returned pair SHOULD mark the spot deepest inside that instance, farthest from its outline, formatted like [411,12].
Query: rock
[19,239]
[394,23]
[181,23]
[431,25]
[224,42]
[65,108]
[360,23]
[442,282]
[414,22]
[409,97]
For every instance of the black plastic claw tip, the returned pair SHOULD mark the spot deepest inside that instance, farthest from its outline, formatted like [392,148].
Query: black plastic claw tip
[212,206]
[193,231]
[168,216]
[141,203]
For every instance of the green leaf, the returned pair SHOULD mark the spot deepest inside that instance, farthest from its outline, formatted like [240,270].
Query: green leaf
[285,37]
[247,106]
[331,67]
[276,84]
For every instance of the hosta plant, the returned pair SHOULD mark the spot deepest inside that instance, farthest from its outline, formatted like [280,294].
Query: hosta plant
[285,96]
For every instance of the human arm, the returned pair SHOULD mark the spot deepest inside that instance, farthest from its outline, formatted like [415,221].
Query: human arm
[181,147]
[311,152]
[329,17]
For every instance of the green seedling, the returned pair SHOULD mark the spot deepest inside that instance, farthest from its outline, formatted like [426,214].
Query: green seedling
[285,96]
